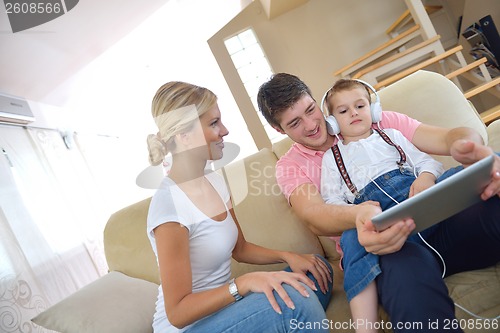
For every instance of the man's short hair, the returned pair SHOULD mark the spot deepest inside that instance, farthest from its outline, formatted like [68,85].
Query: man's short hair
[278,94]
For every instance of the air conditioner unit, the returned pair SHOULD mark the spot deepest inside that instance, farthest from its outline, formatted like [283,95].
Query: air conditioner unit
[15,110]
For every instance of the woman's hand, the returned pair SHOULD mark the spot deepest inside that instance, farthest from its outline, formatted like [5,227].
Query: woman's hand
[303,263]
[267,282]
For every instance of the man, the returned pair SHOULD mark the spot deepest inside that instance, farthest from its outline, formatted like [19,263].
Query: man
[410,286]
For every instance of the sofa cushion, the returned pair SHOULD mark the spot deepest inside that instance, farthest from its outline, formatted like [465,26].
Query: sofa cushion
[476,291]
[126,244]
[113,303]
[263,212]
[281,147]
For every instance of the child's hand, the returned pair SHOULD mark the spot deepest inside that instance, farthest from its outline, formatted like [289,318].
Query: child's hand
[423,182]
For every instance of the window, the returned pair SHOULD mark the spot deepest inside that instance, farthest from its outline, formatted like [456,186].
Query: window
[253,69]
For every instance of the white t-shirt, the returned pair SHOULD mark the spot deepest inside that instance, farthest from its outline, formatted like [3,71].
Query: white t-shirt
[370,158]
[210,242]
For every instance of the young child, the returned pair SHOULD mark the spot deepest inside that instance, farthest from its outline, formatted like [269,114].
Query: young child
[367,164]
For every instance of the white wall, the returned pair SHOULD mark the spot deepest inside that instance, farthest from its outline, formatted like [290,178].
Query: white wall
[311,41]
[112,95]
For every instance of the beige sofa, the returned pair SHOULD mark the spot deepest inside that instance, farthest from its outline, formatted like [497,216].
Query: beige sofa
[123,300]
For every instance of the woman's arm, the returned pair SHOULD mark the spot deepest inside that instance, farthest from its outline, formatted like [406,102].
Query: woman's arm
[181,305]
[300,263]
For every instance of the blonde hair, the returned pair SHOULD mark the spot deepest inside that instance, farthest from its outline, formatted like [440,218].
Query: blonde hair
[343,85]
[175,107]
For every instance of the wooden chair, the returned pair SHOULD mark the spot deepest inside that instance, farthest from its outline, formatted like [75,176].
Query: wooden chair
[490,115]
[483,87]
[406,18]
[487,116]
[372,72]
[478,63]
[400,51]
[490,85]
[493,113]
[387,47]
[436,59]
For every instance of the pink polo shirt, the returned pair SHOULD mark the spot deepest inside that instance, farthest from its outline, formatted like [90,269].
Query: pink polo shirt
[301,165]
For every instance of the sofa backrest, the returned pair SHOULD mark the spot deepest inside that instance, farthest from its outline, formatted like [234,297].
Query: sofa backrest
[261,209]
[263,212]
[435,100]
[126,244]
[493,135]
[281,147]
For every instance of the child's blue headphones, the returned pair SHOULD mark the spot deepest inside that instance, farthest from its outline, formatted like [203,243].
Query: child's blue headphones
[375,109]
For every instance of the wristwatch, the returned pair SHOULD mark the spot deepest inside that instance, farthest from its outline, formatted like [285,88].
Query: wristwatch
[233,290]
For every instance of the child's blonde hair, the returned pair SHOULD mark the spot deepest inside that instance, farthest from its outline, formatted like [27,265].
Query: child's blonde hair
[343,85]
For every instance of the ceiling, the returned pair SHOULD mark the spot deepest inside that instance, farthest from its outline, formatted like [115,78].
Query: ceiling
[275,8]
[35,61]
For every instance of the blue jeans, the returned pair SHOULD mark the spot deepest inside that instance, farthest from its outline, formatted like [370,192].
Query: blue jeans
[467,241]
[361,267]
[254,313]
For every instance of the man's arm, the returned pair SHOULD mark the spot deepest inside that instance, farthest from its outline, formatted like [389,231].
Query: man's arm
[439,141]
[467,152]
[323,219]
[464,144]
[331,220]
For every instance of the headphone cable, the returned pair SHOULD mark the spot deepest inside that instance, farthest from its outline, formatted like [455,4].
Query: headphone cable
[431,247]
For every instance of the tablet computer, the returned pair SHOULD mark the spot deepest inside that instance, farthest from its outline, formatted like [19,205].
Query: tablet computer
[442,200]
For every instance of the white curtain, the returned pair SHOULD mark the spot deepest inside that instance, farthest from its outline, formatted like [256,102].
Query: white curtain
[53,209]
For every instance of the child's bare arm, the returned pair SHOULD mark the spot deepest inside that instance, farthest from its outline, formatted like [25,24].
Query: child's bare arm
[423,181]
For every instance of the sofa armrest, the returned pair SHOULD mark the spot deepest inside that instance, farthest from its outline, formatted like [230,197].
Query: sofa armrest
[112,303]
[494,135]
[126,243]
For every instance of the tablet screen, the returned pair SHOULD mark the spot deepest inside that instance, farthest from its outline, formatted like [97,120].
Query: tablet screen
[442,200]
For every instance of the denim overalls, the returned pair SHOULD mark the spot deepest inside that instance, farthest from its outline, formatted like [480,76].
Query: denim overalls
[361,267]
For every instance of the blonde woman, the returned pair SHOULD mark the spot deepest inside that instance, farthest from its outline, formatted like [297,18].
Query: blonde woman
[194,233]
